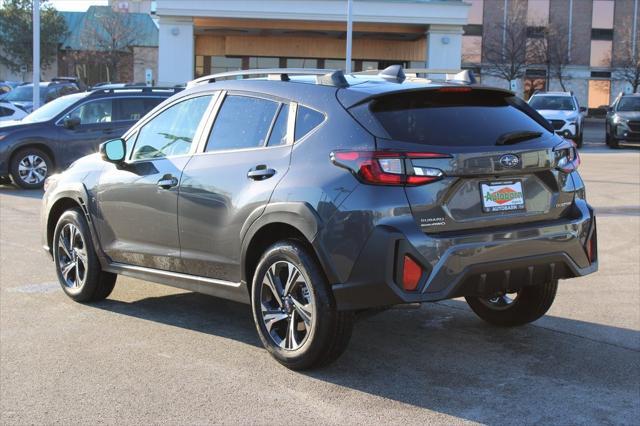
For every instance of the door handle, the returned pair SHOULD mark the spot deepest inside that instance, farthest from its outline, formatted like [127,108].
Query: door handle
[260,172]
[167,182]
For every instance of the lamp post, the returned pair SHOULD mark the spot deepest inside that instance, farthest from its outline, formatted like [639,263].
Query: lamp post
[36,54]
[349,35]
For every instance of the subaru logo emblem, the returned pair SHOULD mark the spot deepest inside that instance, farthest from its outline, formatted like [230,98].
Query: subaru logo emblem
[510,161]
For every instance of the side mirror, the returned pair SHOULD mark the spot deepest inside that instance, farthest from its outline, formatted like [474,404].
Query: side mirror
[113,151]
[609,108]
[71,123]
[583,109]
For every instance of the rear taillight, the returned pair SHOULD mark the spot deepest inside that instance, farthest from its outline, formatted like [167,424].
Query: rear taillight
[389,167]
[567,157]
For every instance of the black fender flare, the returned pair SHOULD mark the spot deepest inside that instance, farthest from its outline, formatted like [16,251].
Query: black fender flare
[299,215]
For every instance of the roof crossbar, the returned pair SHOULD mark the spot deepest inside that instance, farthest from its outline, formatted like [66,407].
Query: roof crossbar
[329,77]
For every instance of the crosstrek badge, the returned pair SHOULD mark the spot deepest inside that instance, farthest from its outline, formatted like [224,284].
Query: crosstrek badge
[502,196]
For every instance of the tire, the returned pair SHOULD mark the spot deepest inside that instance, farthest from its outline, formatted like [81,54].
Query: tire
[613,143]
[579,139]
[84,280]
[30,167]
[314,343]
[5,180]
[531,303]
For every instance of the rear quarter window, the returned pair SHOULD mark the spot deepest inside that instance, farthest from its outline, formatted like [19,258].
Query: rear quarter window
[307,119]
[473,118]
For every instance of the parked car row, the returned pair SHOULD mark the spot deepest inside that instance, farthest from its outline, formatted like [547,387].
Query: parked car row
[69,127]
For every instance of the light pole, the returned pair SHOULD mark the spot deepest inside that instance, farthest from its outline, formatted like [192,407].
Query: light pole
[349,35]
[36,54]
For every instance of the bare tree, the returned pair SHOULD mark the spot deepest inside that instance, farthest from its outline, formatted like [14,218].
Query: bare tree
[551,49]
[628,67]
[506,52]
[108,39]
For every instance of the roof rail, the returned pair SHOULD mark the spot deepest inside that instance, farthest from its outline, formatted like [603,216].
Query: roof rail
[329,77]
[143,89]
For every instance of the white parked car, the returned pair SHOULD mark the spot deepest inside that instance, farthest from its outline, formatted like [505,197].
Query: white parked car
[561,109]
[10,112]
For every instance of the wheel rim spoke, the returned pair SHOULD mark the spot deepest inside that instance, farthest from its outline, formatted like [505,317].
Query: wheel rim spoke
[291,342]
[273,284]
[292,277]
[66,269]
[304,311]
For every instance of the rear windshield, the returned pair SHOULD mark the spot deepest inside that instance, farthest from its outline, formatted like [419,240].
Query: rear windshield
[453,119]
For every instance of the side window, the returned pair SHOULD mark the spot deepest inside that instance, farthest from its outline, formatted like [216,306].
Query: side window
[5,112]
[242,122]
[52,94]
[278,134]
[98,111]
[307,119]
[134,108]
[171,132]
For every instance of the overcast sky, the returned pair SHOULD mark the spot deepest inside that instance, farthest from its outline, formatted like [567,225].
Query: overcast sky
[76,5]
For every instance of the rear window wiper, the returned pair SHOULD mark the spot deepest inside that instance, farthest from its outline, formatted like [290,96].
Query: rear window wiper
[515,137]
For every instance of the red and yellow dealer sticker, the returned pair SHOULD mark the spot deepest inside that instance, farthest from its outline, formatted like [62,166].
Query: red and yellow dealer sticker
[501,196]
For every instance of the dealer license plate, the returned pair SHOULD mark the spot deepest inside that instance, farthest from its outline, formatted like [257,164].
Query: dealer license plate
[502,196]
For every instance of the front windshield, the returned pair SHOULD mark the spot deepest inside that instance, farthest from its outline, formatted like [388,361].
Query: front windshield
[629,103]
[53,108]
[23,94]
[556,103]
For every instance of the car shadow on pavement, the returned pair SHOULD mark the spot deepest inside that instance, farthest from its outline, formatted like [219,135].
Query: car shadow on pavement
[441,357]
[192,311]
[13,191]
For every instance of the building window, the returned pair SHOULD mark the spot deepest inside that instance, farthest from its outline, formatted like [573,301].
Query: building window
[538,13]
[602,15]
[224,64]
[337,64]
[471,49]
[475,11]
[601,34]
[302,63]
[599,93]
[601,53]
[263,62]
[199,66]
[369,65]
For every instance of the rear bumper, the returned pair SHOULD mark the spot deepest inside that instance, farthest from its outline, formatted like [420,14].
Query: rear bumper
[478,264]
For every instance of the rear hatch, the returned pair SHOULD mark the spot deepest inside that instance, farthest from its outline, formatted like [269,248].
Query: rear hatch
[501,157]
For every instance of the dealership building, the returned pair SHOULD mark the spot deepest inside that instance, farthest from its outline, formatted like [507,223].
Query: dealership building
[203,37]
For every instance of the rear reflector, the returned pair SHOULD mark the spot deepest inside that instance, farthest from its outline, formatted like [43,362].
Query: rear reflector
[411,273]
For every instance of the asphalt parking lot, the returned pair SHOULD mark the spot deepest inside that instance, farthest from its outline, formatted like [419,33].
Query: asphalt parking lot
[152,354]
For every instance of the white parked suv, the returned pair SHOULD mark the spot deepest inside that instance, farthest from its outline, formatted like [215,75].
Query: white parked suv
[564,113]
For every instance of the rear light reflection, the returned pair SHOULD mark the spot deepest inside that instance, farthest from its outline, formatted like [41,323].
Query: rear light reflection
[389,167]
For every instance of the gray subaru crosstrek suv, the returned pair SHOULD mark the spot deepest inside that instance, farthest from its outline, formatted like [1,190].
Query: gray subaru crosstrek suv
[315,196]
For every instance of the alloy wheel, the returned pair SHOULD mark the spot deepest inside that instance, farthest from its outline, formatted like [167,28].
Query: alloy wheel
[32,169]
[72,256]
[501,301]
[287,305]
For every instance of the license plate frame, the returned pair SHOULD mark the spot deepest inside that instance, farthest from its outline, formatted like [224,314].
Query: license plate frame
[502,196]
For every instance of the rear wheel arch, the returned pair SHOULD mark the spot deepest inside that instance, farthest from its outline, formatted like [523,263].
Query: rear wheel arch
[261,239]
